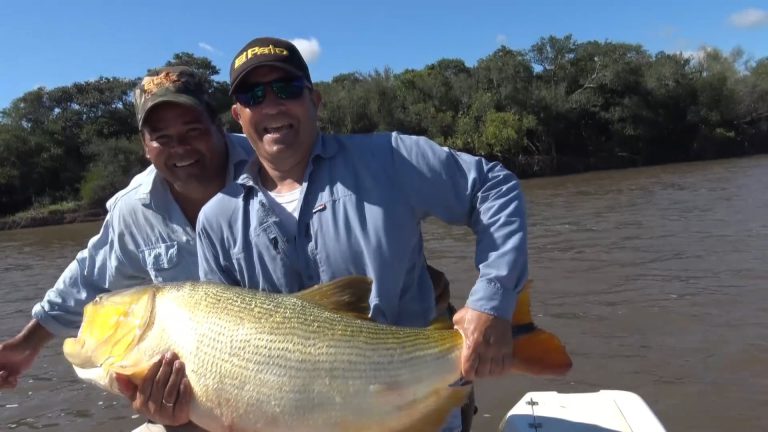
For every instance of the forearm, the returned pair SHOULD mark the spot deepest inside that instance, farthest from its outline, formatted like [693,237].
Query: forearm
[33,336]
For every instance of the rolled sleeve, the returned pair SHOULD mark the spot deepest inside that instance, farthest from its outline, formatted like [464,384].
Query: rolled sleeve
[95,268]
[462,189]
[61,310]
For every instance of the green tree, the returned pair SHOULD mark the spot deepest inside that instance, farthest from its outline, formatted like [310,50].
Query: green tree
[507,75]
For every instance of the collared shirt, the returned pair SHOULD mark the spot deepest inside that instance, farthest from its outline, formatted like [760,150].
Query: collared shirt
[362,203]
[145,238]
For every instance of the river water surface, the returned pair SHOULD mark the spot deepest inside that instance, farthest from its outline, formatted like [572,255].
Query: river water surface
[655,278]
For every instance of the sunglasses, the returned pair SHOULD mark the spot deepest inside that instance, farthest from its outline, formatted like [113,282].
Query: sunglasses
[283,88]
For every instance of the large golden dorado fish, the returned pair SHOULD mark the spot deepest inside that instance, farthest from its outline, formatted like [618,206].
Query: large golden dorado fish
[309,361]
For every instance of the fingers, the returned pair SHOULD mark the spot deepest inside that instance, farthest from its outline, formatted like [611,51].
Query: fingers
[509,363]
[157,399]
[165,394]
[488,347]
[469,361]
[7,380]
[172,388]
[145,389]
[126,386]
[183,401]
[495,365]
[469,358]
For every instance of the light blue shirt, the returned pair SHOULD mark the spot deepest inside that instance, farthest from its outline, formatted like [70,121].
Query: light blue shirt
[145,238]
[362,203]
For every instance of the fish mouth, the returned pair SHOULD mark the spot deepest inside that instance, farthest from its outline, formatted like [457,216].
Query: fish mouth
[75,353]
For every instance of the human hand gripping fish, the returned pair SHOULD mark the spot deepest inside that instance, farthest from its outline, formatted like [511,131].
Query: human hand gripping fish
[164,396]
[488,347]
[494,346]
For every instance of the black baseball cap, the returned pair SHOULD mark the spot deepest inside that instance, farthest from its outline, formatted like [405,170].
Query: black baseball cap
[265,51]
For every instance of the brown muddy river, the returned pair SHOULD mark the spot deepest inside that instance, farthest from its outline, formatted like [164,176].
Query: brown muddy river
[655,278]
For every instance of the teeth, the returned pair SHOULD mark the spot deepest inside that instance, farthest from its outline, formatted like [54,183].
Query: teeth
[184,163]
[277,129]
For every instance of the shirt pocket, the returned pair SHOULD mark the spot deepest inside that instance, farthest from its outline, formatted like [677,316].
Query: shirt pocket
[159,260]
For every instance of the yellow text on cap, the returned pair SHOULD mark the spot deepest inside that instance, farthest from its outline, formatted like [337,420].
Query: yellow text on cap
[257,50]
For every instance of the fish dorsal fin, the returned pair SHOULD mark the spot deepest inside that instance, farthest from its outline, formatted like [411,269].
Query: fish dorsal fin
[348,295]
[442,322]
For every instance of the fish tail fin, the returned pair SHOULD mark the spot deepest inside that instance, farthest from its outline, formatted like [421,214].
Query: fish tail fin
[536,351]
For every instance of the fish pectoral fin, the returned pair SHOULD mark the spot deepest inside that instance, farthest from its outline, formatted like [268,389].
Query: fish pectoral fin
[136,371]
[431,413]
[348,295]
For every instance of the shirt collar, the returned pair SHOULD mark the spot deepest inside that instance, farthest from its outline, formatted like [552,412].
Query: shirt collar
[144,191]
[238,157]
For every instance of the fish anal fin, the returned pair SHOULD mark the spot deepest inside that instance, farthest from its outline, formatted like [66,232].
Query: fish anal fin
[348,295]
[425,414]
[432,413]
[441,323]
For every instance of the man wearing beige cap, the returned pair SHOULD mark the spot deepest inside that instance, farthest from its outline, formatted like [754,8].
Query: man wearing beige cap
[149,231]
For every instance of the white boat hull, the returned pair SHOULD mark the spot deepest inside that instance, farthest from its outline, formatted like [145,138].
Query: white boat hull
[602,411]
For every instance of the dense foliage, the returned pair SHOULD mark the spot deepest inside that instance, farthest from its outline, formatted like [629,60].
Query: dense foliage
[561,106]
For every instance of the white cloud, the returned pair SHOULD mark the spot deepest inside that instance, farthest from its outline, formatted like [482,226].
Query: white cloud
[501,39]
[208,47]
[697,55]
[749,18]
[309,48]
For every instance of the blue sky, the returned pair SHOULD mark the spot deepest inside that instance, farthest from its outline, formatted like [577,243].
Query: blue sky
[56,42]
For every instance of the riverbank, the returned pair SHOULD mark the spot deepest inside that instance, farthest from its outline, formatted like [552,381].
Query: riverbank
[56,214]
[524,167]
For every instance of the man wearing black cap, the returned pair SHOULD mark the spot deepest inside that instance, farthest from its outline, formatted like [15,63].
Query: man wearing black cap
[312,207]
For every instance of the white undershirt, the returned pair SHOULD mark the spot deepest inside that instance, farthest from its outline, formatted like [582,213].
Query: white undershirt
[288,210]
